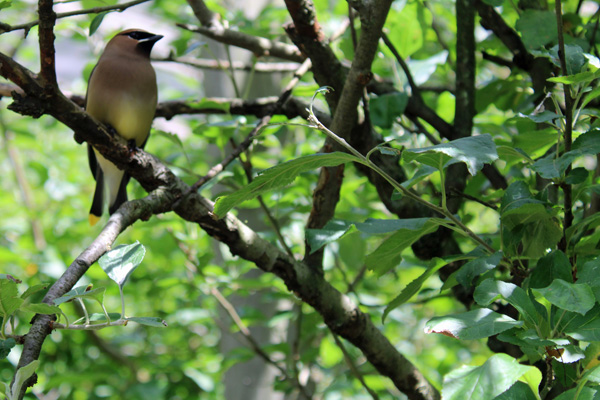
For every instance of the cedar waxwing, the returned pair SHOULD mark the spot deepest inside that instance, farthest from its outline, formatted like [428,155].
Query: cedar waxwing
[122,94]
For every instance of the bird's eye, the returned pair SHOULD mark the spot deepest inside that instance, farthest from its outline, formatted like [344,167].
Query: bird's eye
[139,35]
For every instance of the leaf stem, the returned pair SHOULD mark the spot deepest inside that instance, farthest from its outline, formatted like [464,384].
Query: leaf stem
[365,161]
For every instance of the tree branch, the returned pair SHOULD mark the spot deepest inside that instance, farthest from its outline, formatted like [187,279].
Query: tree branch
[257,45]
[95,10]
[338,311]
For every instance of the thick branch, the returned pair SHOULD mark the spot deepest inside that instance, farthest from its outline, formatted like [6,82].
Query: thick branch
[46,40]
[338,311]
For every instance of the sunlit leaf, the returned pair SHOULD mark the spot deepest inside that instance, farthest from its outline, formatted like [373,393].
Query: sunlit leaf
[489,380]
[474,324]
[280,176]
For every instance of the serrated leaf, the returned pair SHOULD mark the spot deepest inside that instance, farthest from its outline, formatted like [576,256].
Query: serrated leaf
[79,292]
[591,96]
[575,297]
[474,151]
[537,28]
[574,57]
[470,325]
[280,176]
[388,254]
[332,231]
[33,289]
[582,77]
[41,308]
[551,167]
[490,289]
[150,321]
[412,288]
[120,262]
[6,346]
[9,297]
[588,143]
[551,266]
[476,267]
[491,379]
[385,109]
[544,116]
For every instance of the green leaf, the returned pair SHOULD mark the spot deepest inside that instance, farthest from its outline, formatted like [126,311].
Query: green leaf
[9,298]
[544,116]
[575,297]
[537,28]
[493,378]
[5,4]
[21,376]
[332,231]
[518,391]
[494,3]
[6,346]
[101,317]
[388,254]
[79,292]
[412,288]
[576,176]
[280,176]
[33,289]
[474,151]
[582,327]
[120,262]
[150,321]
[385,109]
[423,69]
[41,308]
[551,167]
[574,57]
[95,24]
[590,96]
[470,325]
[555,265]
[527,223]
[579,78]
[490,289]
[589,273]
[588,143]
[476,267]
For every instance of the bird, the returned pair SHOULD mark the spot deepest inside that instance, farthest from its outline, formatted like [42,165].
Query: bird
[121,94]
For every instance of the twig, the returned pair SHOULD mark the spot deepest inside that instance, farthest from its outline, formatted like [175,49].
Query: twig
[363,160]
[353,367]
[413,86]
[568,132]
[214,171]
[263,67]
[230,310]
[95,10]
[259,46]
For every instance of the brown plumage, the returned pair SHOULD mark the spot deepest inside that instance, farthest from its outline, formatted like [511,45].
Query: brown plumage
[121,93]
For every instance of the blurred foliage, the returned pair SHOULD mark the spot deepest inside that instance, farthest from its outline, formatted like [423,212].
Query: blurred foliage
[46,190]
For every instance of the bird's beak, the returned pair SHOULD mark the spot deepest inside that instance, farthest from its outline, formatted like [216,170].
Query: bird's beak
[152,39]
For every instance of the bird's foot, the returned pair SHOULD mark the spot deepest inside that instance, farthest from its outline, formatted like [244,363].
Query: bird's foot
[132,146]
[113,132]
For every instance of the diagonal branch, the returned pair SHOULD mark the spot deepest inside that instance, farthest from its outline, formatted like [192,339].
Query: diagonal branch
[339,312]
[257,45]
